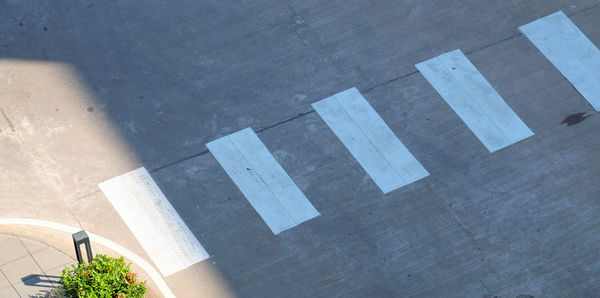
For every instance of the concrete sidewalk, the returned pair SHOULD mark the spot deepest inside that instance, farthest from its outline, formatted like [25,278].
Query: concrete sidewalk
[29,268]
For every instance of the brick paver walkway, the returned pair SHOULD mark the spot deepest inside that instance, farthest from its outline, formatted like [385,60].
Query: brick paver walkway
[29,268]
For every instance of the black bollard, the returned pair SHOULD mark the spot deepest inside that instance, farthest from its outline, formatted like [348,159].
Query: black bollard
[79,238]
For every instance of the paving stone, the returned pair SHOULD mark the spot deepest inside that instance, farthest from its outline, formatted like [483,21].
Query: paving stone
[11,249]
[3,281]
[54,274]
[50,258]
[20,268]
[33,246]
[8,293]
[37,286]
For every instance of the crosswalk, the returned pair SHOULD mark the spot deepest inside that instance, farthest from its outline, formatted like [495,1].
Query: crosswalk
[281,203]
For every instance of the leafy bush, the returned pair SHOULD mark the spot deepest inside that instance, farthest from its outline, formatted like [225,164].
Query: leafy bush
[103,277]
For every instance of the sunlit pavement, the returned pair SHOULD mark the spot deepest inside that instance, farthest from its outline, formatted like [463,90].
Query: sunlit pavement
[29,268]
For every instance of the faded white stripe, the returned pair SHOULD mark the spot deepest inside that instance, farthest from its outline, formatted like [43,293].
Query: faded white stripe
[153,221]
[475,101]
[370,140]
[264,183]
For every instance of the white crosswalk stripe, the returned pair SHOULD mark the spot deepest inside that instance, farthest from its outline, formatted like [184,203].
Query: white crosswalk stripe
[265,184]
[153,220]
[475,101]
[370,140]
[570,51]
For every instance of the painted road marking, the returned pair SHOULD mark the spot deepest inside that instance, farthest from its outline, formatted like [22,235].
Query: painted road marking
[153,221]
[370,140]
[261,179]
[571,52]
[475,101]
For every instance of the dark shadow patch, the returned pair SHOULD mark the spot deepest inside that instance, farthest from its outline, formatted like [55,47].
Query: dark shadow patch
[40,280]
[574,119]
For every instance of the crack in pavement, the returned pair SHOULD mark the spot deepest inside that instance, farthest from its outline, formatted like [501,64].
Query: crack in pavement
[10,124]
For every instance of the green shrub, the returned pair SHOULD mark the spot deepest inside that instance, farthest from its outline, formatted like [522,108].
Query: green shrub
[103,277]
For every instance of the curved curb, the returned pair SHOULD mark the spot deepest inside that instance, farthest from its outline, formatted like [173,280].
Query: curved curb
[150,270]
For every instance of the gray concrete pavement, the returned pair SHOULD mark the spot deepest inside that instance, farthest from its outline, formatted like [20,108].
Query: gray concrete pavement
[91,91]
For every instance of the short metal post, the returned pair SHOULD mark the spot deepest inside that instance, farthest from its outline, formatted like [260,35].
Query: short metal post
[79,238]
